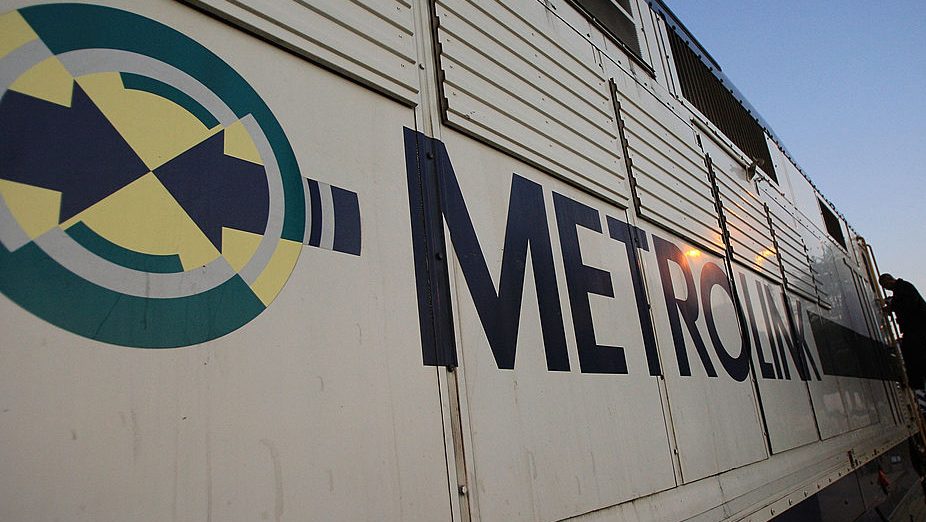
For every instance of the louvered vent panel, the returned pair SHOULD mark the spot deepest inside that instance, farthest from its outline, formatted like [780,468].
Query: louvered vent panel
[526,82]
[671,177]
[747,224]
[715,101]
[371,40]
[820,265]
[797,268]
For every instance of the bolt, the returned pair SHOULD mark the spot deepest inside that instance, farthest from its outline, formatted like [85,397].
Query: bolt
[462,489]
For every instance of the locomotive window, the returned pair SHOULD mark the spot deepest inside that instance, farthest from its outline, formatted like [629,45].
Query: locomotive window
[615,17]
[833,228]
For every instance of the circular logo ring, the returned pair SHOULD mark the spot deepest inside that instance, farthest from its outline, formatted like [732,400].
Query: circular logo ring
[149,196]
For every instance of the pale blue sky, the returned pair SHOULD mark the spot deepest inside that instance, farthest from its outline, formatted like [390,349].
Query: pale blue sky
[843,84]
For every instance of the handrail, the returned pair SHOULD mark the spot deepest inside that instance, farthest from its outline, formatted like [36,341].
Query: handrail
[892,334]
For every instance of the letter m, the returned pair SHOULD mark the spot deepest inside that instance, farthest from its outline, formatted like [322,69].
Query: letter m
[435,199]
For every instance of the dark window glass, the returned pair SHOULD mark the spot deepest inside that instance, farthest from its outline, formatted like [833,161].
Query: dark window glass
[616,18]
[709,95]
[833,228]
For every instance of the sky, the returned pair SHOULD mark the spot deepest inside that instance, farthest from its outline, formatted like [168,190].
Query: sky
[843,85]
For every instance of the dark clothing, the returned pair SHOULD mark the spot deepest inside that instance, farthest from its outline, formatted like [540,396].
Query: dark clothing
[910,309]
[913,349]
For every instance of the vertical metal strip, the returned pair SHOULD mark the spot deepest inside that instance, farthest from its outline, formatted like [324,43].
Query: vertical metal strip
[439,74]
[813,273]
[778,256]
[737,305]
[784,281]
[892,335]
[430,115]
[625,148]
[788,310]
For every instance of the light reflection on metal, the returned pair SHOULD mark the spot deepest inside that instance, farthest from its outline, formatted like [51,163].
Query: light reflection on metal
[765,254]
[693,252]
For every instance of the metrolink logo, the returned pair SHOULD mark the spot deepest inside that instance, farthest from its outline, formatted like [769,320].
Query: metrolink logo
[781,349]
[150,198]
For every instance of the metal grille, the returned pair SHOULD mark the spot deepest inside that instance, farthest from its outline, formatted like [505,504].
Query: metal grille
[717,103]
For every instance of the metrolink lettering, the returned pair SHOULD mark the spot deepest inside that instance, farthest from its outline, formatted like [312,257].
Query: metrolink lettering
[527,237]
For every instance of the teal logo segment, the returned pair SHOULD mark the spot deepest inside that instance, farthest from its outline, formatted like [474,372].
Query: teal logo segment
[149,196]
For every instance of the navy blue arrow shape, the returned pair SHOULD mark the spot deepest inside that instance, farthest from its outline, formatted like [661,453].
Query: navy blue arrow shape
[75,150]
[218,190]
